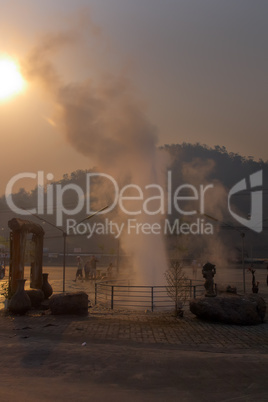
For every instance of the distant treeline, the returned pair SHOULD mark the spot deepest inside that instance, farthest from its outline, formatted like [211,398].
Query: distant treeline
[189,163]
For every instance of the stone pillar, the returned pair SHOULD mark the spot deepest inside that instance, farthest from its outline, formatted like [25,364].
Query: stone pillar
[18,251]
[20,228]
[36,266]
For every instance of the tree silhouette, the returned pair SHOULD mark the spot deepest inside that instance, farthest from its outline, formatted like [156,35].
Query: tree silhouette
[177,286]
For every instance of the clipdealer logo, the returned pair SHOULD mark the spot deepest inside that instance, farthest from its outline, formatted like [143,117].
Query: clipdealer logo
[255,220]
[145,208]
[135,202]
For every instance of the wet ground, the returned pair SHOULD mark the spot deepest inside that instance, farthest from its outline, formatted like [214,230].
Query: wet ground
[119,355]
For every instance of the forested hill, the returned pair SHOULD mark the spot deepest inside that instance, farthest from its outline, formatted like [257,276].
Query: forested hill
[228,166]
[194,164]
[223,166]
[189,163]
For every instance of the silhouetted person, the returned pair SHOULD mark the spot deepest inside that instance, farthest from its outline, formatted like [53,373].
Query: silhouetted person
[93,266]
[110,271]
[79,272]
[87,270]
[194,267]
[255,287]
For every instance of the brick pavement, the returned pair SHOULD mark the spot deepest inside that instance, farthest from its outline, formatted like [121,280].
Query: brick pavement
[148,328]
[130,356]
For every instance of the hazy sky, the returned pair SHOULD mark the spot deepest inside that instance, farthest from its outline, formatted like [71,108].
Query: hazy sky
[197,69]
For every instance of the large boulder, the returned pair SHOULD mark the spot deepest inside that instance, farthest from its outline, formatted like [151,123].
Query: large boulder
[230,309]
[69,303]
[36,296]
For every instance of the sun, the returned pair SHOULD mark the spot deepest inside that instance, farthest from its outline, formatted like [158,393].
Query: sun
[11,80]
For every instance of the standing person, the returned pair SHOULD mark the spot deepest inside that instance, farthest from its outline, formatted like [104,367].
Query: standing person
[79,272]
[110,271]
[87,270]
[93,266]
[255,286]
[194,267]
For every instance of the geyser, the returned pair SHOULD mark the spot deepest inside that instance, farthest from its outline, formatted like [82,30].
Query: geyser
[105,123]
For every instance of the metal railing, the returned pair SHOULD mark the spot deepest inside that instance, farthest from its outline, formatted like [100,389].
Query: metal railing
[141,297]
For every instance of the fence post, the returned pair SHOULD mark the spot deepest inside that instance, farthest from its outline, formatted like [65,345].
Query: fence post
[194,291]
[96,290]
[112,297]
[152,301]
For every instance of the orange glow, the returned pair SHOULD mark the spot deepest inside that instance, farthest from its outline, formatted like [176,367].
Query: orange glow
[11,80]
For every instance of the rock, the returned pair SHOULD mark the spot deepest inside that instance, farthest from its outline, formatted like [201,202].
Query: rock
[36,296]
[230,309]
[69,303]
[261,305]
[45,305]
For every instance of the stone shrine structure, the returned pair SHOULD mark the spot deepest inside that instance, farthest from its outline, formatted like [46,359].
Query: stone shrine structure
[19,230]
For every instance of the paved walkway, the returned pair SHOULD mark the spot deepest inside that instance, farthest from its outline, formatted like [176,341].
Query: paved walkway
[146,328]
[135,357]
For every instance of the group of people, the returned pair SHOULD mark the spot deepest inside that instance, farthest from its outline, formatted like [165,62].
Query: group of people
[90,269]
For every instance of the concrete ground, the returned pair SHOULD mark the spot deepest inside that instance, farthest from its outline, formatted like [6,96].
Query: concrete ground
[127,356]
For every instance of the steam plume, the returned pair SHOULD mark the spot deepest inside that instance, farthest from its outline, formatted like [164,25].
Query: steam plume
[102,120]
